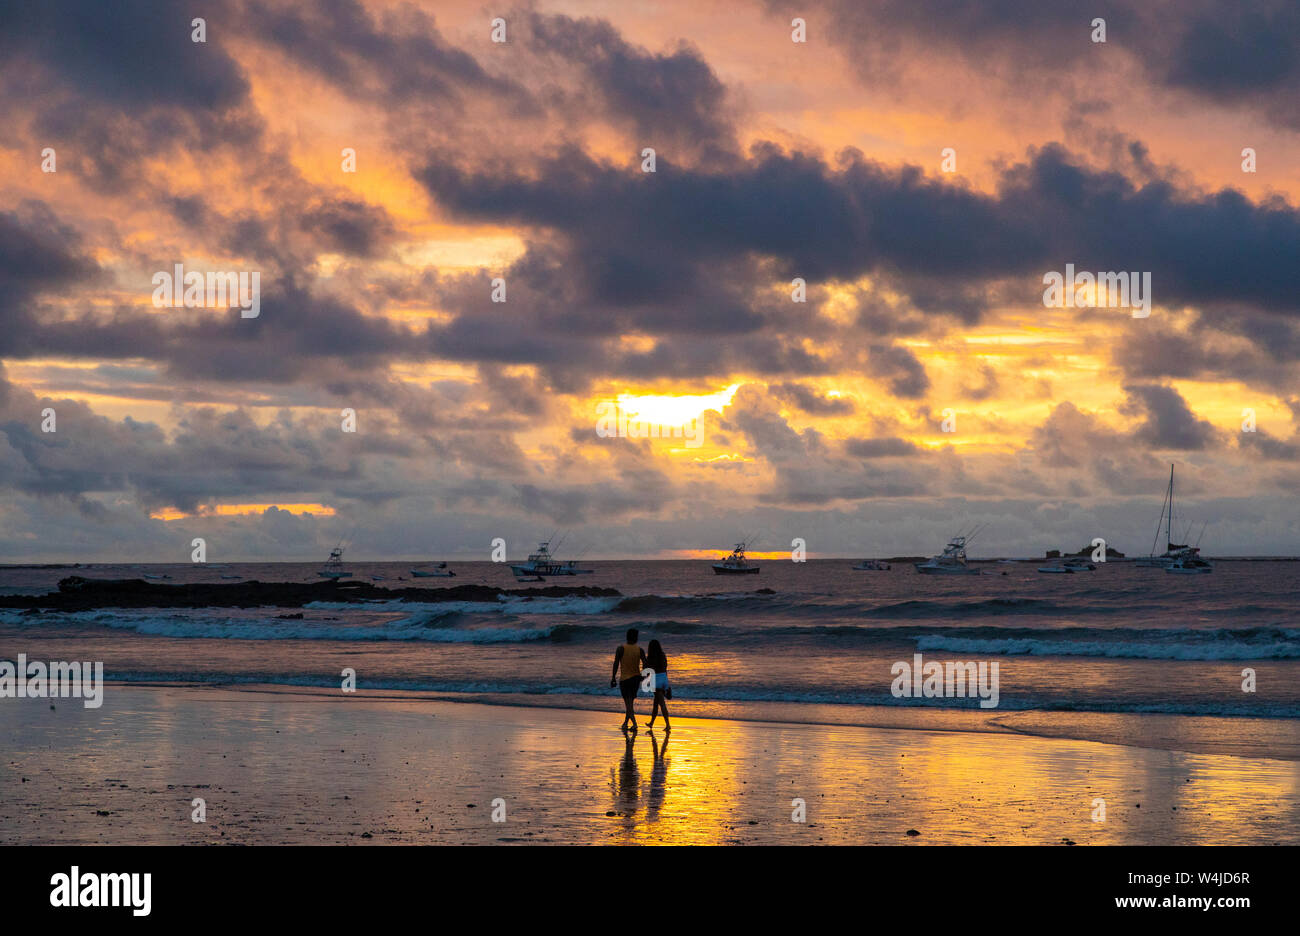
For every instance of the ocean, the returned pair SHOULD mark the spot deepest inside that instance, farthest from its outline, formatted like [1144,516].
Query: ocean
[812,642]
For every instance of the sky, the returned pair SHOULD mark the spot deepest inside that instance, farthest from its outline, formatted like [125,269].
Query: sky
[391,173]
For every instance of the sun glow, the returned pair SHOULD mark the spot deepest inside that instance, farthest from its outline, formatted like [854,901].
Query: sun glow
[240,510]
[667,410]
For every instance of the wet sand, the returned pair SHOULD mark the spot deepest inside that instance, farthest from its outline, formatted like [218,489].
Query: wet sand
[276,766]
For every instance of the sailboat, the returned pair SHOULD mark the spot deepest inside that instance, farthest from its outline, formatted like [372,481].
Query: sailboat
[1177,557]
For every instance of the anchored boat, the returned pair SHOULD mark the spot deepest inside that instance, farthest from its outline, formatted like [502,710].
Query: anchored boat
[1179,558]
[542,564]
[333,568]
[1190,564]
[735,564]
[438,571]
[1058,569]
[952,561]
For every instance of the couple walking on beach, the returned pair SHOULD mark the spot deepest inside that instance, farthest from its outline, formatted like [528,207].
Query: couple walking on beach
[629,660]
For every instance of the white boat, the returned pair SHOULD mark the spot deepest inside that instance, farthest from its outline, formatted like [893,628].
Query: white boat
[542,564]
[438,571]
[952,561]
[872,565]
[1078,564]
[333,568]
[735,564]
[1177,557]
[1059,569]
[1190,564]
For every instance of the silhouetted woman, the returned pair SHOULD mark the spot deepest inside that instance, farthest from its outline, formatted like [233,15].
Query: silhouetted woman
[657,661]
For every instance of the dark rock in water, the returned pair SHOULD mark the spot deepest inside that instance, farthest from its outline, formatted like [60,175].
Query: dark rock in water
[765,591]
[296,616]
[82,594]
[913,832]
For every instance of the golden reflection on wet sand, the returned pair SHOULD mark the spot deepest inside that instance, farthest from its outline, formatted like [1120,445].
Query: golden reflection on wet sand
[280,767]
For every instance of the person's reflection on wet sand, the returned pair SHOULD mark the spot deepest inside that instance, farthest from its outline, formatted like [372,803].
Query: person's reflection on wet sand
[625,780]
[658,777]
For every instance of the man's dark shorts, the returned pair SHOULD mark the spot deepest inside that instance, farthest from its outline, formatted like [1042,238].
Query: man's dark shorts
[628,687]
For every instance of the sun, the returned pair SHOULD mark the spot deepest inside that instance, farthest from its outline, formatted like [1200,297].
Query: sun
[673,410]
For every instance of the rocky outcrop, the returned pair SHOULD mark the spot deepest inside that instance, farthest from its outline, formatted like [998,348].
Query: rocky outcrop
[82,594]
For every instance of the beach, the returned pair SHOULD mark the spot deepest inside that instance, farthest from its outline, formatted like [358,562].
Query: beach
[280,765]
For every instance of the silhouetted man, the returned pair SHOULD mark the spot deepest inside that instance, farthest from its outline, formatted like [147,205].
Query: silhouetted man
[628,662]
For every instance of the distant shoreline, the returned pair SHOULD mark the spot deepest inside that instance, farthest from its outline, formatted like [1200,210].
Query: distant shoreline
[453,560]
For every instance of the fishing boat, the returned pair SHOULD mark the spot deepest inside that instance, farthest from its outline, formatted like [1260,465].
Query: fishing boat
[438,571]
[952,561]
[1059,568]
[542,564]
[872,565]
[735,564]
[1190,564]
[1177,557]
[333,568]
[1080,565]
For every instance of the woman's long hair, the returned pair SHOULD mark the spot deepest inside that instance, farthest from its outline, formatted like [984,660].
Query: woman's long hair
[655,657]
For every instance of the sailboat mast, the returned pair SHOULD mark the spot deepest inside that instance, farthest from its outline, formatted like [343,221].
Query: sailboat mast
[1170,522]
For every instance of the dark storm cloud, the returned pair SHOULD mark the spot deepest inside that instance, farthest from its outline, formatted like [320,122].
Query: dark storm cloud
[644,234]
[349,226]
[880,448]
[297,328]
[222,455]
[669,98]
[38,253]
[129,55]
[1169,422]
[120,84]
[398,56]
[1233,53]
[1251,347]
[810,401]
[1071,438]
[1267,446]
[898,365]
[640,239]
